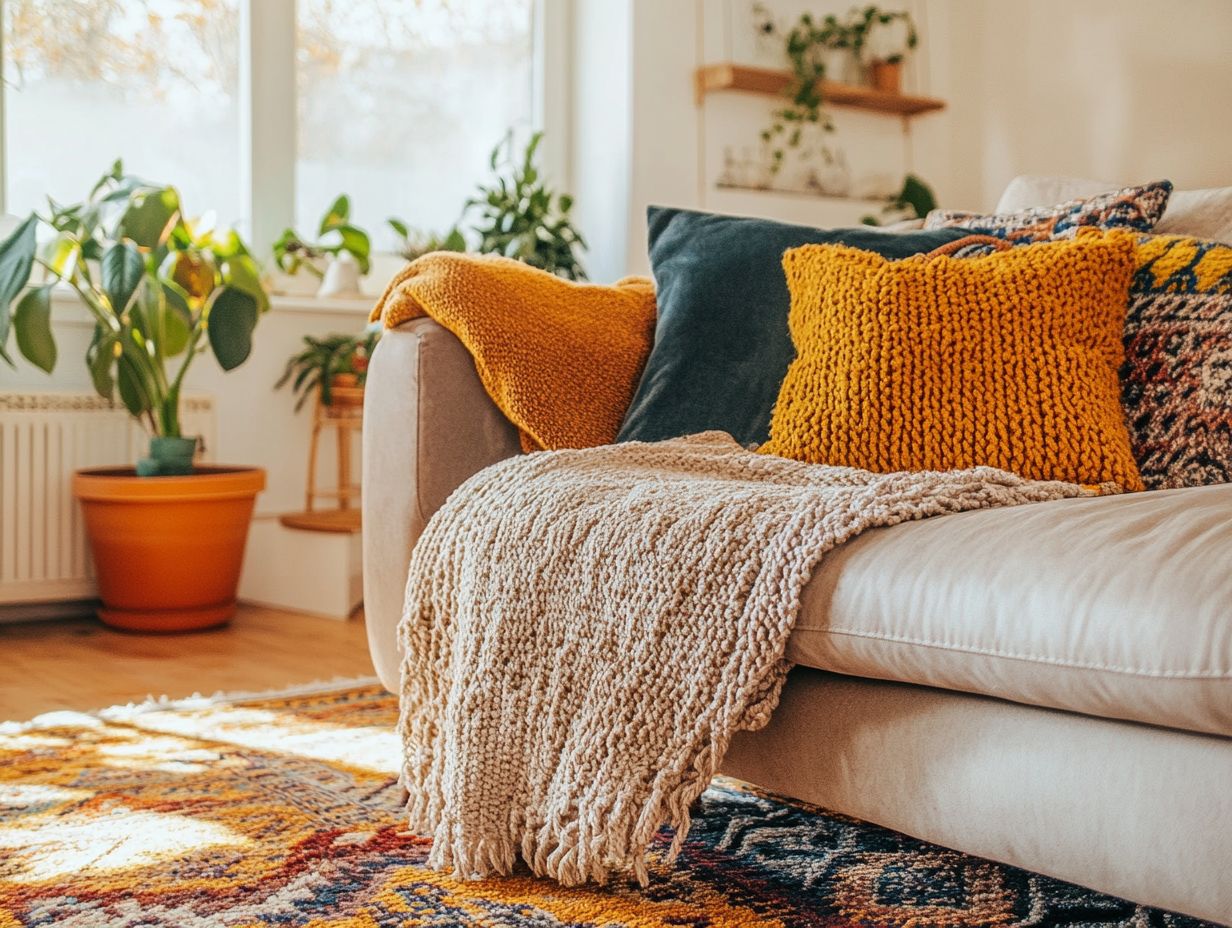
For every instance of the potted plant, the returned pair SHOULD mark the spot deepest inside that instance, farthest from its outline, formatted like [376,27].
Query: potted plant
[913,201]
[333,368]
[519,216]
[167,536]
[413,244]
[883,40]
[339,257]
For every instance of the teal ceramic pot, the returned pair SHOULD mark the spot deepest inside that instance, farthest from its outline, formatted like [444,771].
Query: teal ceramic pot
[169,457]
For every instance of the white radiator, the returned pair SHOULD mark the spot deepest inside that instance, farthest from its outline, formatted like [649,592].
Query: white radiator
[44,437]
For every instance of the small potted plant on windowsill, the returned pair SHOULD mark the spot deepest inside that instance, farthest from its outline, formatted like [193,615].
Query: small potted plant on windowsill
[335,262]
[167,536]
[413,243]
[332,368]
[520,216]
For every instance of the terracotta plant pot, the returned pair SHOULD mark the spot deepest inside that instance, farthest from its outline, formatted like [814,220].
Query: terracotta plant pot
[345,391]
[168,550]
[887,76]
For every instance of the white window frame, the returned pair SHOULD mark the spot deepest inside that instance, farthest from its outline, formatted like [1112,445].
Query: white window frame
[268,125]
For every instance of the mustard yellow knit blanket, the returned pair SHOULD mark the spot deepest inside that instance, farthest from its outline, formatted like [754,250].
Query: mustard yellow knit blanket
[586,630]
[560,359]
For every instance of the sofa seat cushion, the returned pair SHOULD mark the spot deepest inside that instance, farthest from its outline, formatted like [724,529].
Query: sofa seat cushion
[1119,606]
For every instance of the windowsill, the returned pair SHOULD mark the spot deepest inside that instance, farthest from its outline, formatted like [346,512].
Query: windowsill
[279,303]
[303,303]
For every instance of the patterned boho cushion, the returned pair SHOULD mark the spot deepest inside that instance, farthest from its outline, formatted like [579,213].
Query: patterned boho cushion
[1177,376]
[934,363]
[1133,208]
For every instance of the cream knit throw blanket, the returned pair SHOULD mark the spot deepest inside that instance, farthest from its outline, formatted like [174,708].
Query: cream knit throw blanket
[586,630]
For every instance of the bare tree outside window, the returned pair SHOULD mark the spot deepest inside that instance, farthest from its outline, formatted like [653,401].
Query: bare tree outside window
[152,81]
[401,103]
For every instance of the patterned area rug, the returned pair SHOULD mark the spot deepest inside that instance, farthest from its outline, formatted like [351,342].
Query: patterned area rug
[284,811]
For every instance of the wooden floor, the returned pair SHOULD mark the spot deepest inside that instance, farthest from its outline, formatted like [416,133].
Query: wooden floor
[82,664]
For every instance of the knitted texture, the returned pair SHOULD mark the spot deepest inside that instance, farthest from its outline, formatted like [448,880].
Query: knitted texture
[560,359]
[932,363]
[586,630]
[1136,209]
[1177,376]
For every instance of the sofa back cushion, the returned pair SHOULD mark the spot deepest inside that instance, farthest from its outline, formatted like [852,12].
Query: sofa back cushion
[932,363]
[1137,209]
[721,345]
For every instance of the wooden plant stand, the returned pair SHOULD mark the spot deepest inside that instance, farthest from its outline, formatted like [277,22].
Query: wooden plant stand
[345,417]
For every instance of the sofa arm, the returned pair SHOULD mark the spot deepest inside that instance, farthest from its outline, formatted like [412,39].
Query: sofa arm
[428,426]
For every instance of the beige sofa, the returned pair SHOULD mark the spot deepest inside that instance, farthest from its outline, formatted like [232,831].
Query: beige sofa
[1048,686]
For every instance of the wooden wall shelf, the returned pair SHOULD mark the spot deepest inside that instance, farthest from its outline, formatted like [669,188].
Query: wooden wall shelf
[772,82]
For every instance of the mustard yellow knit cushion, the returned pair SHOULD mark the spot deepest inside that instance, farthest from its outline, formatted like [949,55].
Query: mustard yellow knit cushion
[933,363]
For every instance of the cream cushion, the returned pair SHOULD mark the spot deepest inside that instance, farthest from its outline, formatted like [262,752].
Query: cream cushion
[1200,213]
[1117,606]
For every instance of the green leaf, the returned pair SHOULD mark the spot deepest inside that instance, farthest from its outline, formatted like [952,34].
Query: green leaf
[531,147]
[62,253]
[399,226]
[116,172]
[100,357]
[122,269]
[338,213]
[916,196]
[132,390]
[177,299]
[32,324]
[177,323]
[232,317]
[242,273]
[150,217]
[16,260]
[454,241]
[355,240]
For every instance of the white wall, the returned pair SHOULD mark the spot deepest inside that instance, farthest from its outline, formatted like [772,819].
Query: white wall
[1123,90]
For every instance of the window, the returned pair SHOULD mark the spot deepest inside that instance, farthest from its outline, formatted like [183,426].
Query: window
[398,103]
[89,80]
[400,107]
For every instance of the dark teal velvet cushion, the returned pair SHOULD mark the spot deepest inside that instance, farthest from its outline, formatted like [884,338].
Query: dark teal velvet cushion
[721,346]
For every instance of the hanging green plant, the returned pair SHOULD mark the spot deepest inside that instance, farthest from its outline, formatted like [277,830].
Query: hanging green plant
[805,45]
[878,35]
